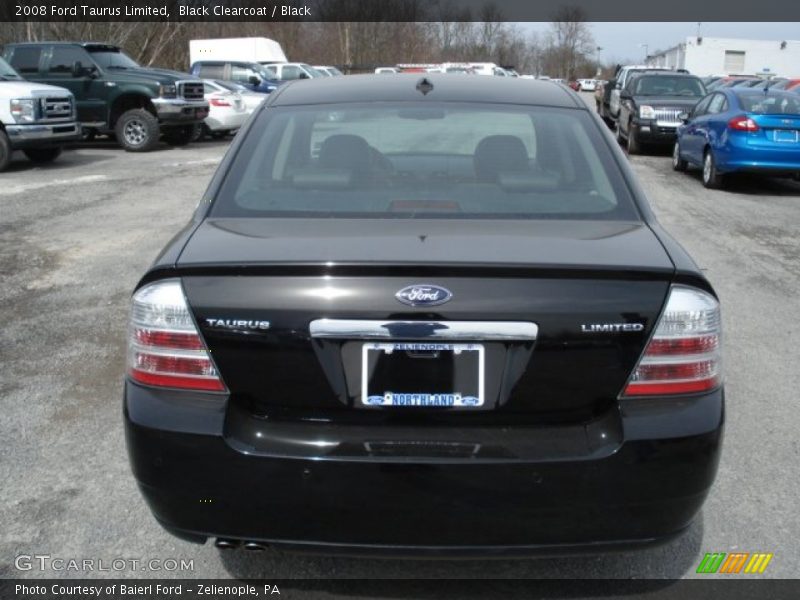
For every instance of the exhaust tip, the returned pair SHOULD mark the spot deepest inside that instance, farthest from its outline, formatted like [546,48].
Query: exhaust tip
[255,547]
[224,544]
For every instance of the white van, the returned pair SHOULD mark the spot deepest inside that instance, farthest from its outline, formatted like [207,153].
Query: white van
[250,49]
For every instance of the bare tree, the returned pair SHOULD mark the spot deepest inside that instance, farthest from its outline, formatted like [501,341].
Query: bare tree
[571,40]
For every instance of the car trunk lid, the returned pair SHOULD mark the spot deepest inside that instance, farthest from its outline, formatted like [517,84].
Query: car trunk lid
[592,290]
[775,131]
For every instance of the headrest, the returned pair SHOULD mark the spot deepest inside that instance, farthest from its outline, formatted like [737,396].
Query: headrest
[499,153]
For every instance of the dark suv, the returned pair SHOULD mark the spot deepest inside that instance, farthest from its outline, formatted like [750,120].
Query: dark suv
[114,94]
[253,76]
[650,104]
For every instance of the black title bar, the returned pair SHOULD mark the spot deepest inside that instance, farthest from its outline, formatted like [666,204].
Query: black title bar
[396,10]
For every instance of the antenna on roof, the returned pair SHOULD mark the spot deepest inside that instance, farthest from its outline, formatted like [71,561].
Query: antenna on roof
[424,85]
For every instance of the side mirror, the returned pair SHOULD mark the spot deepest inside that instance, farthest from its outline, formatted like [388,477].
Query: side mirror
[683,117]
[303,75]
[625,95]
[254,80]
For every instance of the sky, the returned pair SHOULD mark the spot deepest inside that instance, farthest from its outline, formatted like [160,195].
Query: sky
[621,41]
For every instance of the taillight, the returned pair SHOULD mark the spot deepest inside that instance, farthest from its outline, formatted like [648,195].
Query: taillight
[164,346]
[219,102]
[743,123]
[683,356]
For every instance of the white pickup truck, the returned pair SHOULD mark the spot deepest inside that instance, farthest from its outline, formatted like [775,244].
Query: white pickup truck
[35,118]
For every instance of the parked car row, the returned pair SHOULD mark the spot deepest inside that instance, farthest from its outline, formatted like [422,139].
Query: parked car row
[752,81]
[112,94]
[584,85]
[53,93]
[463,68]
[721,125]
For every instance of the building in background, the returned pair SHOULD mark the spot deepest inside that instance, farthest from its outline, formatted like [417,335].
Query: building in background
[704,56]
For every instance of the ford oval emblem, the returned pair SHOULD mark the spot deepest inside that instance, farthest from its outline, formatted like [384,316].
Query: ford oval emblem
[423,295]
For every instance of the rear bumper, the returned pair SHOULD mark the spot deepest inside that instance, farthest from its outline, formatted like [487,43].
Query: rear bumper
[202,479]
[737,155]
[763,167]
[225,121]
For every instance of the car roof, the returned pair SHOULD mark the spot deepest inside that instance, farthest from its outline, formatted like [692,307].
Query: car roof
[659,73]
[83,44]
[446,88]
[743,91]
[225,62]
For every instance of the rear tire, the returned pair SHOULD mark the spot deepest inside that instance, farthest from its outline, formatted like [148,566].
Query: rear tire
[137,130]
[5,151]
[179,136]
[678,164]
[42,155]
[712,179]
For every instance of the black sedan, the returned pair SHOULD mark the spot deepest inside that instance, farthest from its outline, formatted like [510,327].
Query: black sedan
[415,316]
[650,105]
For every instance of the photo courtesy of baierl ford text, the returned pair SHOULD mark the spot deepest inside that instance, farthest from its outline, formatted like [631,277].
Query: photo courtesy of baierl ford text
[342,299]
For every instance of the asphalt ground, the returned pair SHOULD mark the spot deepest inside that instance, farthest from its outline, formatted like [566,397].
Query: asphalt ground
[75,237]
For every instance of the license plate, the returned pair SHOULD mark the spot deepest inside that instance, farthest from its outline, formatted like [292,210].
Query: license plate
[422,374]
[786,135]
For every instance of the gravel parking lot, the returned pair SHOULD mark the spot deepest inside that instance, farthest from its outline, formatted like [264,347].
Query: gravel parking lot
[76,235]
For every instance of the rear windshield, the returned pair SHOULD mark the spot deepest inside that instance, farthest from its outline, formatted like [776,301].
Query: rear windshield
[770,103]
[412,160]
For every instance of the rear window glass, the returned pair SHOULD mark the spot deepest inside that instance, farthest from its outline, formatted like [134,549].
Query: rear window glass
[211,71]
[410,160]
[25,59]
[770,104]
[665,85]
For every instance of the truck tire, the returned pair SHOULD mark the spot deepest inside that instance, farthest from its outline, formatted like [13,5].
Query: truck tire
[618,133]
[43,155]
[633,146]
[180,136]
[137,130]
[5,151]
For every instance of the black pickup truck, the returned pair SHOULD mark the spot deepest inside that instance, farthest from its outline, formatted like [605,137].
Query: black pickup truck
[114,94]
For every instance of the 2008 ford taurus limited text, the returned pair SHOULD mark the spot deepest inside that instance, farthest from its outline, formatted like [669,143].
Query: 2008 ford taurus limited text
[416,316]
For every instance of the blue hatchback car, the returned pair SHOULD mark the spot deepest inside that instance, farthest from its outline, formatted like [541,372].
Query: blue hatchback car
[741,130]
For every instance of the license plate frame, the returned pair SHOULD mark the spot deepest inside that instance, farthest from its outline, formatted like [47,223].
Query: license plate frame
[471,396]
[787,136]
